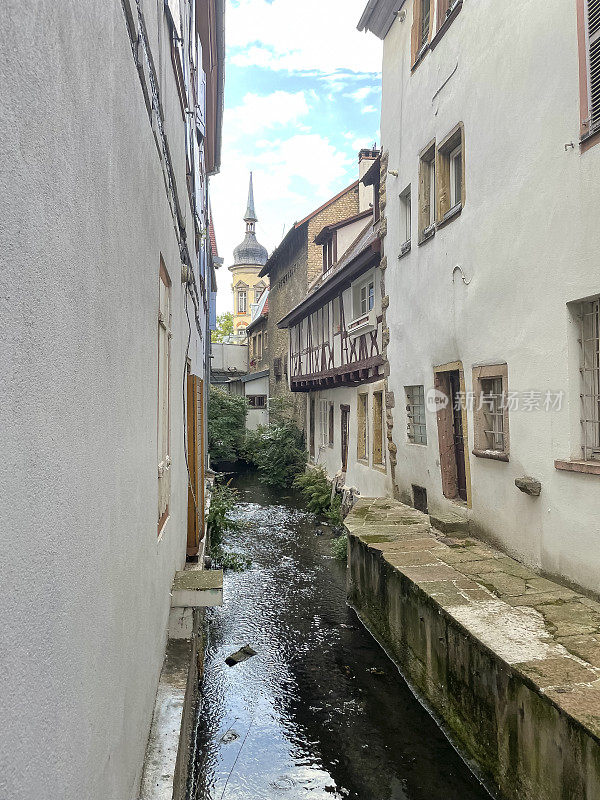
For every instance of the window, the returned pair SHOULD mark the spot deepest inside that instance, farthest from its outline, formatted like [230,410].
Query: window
[363,427]
[456,176]
[405,220]
[365,298]
[589,65]
[329,253]
[257,400]
[324,422]
[590,379]
[259,346]
[427,189]
[336,314]
[242,298]
[450,160]
[378,451]
[422,19]
[415,412]
[264,341]
[163,425]
[490,386]
[331,424]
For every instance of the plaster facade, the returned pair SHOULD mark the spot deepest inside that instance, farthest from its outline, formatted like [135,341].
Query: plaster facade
[291,268]
[88,214]
[497,282]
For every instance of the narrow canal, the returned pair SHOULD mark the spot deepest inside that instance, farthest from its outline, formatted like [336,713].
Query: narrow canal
[320,712]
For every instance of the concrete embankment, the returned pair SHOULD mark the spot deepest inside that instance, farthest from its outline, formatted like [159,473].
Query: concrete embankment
[508,660]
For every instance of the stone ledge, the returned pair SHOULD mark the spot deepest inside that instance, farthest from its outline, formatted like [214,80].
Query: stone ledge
[520,653]
[197,588]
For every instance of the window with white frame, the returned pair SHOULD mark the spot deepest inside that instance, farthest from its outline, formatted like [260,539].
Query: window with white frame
[590,379]
[164,366]
[242,300]
[364,297]
[324,422]
[405,217]
[415,414]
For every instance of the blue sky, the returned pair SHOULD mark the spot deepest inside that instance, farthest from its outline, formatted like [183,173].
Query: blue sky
[302,97]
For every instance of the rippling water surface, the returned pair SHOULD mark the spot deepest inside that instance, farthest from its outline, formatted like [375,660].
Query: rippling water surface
[320,712]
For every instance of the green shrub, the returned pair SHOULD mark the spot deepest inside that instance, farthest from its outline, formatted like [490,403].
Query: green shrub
[315,488]
[334,512]
[223,500]
[277,451]
[226,425]
[339,547]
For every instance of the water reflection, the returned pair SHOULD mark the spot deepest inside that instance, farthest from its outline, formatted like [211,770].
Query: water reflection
[320,712]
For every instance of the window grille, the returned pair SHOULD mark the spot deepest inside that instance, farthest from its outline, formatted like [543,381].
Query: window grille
[415,411]
[590,379]
[492,399]
[593,33]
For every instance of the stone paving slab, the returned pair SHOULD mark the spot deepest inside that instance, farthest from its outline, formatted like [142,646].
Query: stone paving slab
[545,631]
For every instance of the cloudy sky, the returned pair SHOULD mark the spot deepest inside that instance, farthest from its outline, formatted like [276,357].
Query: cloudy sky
[302,97]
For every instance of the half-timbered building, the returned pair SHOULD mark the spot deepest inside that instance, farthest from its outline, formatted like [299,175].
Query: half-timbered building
[336,356]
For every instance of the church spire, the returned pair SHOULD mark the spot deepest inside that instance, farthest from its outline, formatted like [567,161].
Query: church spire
[250,252]
[250,215]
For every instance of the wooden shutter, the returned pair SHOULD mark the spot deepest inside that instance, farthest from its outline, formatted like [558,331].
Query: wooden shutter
[415,36]
[195,456]
[593,36]
[442,10]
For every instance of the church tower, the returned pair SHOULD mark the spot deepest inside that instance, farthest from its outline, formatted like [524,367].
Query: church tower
[249,258]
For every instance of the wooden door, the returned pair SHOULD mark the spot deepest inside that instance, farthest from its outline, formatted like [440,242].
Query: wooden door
[345,422]
[458,434]
[195,462]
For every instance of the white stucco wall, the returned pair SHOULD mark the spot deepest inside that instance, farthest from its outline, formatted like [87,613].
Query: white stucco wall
[348,233]
[230,358]
[527,240]
[85,582]
[370,479]
[257,416]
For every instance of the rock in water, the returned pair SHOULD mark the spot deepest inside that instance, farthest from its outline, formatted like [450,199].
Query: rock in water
[243,654]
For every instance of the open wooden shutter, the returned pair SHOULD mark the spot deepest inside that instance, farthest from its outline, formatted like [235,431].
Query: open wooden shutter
[195,454]
[415,36]
[442,10]
[593,30]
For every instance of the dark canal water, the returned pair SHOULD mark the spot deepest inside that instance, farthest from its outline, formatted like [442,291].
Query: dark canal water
[320,712]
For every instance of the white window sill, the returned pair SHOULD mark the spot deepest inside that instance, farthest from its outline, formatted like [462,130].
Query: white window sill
[363,324]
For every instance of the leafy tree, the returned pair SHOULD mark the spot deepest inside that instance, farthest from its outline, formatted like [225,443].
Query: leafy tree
[277,451]
[226,424]
[224,327]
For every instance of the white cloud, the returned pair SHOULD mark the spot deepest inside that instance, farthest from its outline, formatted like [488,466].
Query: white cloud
[264,111]
[368,110]
[362,93]
[313,36]
[291,178]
